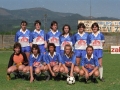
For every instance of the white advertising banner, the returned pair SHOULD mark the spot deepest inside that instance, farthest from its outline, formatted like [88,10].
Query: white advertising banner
[115,49]
[105,26]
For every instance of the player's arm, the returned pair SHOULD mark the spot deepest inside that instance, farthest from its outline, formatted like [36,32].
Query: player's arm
[10,61]
[103,39]
[31,69]
[48,64]
[45,38]
[50,70]
[31,74]
[31,39]
[25,62]
[71,71]
[73,63]
[73,39]
[60,60]
[16,37]
[82,64]
[88,40]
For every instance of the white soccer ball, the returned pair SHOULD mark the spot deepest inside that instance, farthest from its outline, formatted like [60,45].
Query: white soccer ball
[70,80]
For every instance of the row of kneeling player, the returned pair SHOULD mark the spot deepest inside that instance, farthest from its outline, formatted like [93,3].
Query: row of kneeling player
[52,64]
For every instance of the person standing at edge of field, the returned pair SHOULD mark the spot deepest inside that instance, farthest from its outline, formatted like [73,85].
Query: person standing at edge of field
[17,62]
[66,37]
[23,37]
[38,37]
[53,60]
[68,62]
[53,36]
[80,42]
[89,65]
[97,40]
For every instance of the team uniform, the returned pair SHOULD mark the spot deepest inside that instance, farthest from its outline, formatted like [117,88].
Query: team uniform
[23,38]
[54,37]
[80,44]
[64,40]
[67,59]
[96,41]
[56,58]
[17,60]
[39,60]
[39,38]
[90,64]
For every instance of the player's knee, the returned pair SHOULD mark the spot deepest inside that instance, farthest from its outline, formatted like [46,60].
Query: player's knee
[62,70]
[9,70]
[56,70]
[100,65]
[20,68]
[76,69]
[96,73]
[81,72]
[66,71]
[45,68]
[25,70]
[37,70]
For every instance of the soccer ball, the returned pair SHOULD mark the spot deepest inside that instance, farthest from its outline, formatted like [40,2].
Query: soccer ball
[70,80]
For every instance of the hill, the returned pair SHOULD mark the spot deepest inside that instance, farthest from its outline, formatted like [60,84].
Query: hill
[10,19]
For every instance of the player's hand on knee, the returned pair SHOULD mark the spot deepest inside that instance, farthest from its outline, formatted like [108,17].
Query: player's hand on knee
[86,74]
[53,74]
[90,74]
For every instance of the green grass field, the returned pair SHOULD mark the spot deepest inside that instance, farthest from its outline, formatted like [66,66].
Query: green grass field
[111,65]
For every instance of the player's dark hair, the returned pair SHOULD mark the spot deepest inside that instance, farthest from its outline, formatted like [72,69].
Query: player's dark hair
[81,25]
[17,45]
[36,47]
[51,44]
[95,24]
[24,22]
[52,23]
[90,47]
[37,22]
[64,30]
[71,52]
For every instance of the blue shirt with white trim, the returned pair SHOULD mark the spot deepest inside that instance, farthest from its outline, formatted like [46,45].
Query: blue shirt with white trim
[65,40]
[55,58]
[91,63]
[38,58]
[23,37]
[53,37]
[81,40]
[38,37]
[96,40]
[66,59]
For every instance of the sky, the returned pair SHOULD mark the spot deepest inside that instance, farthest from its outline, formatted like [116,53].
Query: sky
[99,8]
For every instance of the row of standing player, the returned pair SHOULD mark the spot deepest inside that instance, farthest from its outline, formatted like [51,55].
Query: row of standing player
[80,40]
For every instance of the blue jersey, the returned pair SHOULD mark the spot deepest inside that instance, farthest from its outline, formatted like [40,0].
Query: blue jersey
[65,40]
[53,37]
[70,60]
[96,40]
[38,37]
[81,41]
[55,58]
[33,59]
[91,63]
[23,37]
